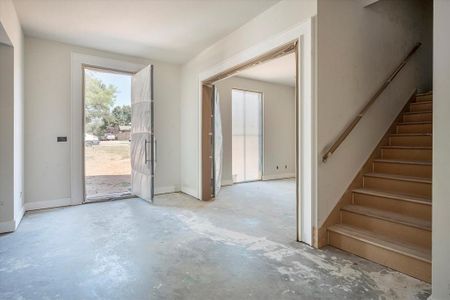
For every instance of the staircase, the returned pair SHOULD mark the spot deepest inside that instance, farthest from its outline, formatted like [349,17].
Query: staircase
[389,218]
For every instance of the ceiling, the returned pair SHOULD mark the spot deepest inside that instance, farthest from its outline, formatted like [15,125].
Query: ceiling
[167,30]
[280,70]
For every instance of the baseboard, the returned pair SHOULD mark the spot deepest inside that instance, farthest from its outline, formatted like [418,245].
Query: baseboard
[278,176]
[166,189]
[227,182]
[8,226]
[47,204]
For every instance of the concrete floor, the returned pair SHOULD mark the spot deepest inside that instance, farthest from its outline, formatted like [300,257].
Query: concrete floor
[240,246]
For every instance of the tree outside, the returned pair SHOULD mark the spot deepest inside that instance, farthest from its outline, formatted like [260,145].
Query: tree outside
[101,116]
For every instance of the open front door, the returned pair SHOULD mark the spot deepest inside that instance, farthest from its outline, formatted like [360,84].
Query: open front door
[142,135]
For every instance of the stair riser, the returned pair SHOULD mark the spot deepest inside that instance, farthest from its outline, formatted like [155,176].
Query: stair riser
[418,106]
[398,186]
[407,154]
[396,231]
[405,264]
[411,141]
[415,128]
[412,209]
[403,169]
[424,98]
[418,117]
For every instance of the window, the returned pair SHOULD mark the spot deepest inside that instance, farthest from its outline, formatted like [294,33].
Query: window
[246,135]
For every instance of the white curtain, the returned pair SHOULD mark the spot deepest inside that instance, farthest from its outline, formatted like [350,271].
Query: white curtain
[218,143]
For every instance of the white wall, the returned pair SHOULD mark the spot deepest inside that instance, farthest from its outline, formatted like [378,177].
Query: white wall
[441,152]
[11,28]
[47,112]
[277,19]
[279,126]
[357,48]
[6,137]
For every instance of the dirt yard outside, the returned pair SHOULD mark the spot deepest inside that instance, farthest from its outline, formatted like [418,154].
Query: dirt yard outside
[108,168]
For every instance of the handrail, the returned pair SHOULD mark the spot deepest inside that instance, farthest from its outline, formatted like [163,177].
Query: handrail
[355,121]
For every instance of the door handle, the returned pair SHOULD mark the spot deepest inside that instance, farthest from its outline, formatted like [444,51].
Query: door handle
[145,151]
[156,150]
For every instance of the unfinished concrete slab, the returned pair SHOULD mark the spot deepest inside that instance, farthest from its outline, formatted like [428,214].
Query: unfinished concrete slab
[241,246]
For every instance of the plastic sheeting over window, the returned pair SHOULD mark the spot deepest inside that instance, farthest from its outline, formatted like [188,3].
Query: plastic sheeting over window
[218,143]
[246,135]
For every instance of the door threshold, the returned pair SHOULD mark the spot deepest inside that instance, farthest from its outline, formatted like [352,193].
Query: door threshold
[108,197]
[247,181]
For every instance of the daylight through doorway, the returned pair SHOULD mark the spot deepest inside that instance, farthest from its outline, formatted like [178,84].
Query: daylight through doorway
[107,125]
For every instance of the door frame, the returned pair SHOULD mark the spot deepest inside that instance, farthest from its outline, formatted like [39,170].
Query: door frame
[303,36]
[76,137]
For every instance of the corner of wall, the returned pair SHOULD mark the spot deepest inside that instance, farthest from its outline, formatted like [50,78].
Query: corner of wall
[13,30]
[18,217]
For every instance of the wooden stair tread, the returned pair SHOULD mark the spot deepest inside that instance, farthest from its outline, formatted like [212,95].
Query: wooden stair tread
[399,177]
[422,102]
[411,134]
[417,112]
[382,241]
[415,123]
[424,94]
[399,196]
[388,216]
[408,147]
[409,162]
[423,98]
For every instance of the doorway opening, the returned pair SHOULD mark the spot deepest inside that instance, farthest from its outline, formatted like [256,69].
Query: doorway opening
[107,128]
[119,151]
[249,136]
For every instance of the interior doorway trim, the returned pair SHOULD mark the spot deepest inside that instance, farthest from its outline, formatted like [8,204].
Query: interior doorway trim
[306,161]
[76,137]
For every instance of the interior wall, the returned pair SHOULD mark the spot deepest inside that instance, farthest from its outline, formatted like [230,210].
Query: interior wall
[278,126]
[358,47]
[6,137]
[47,111]
[277,19]
[11,28]
[441,152]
